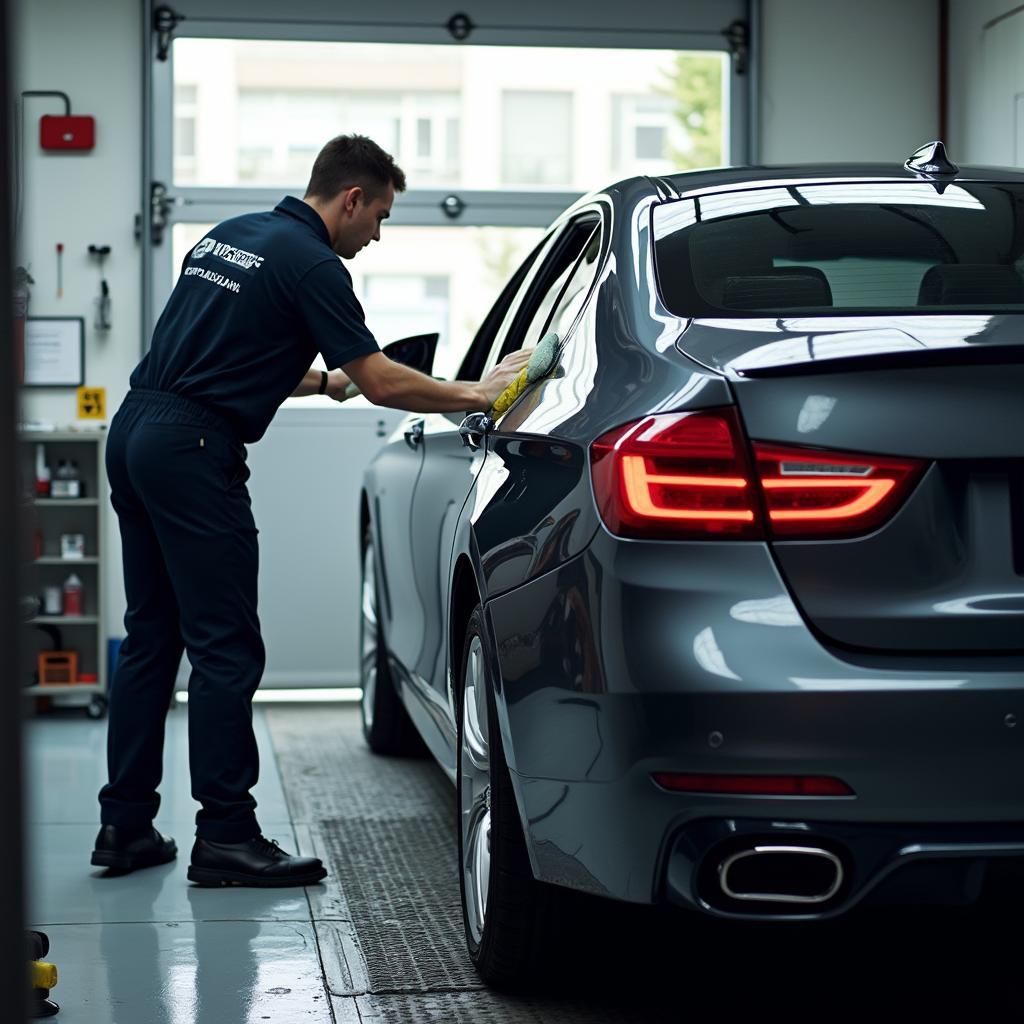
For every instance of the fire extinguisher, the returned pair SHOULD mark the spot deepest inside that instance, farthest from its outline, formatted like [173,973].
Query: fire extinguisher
[22,279]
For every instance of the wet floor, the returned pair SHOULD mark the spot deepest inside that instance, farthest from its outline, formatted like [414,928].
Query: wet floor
[380,940]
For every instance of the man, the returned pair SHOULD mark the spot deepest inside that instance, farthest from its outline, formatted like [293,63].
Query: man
[256,300]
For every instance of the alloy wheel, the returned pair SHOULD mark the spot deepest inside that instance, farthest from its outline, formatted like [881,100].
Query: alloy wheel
[368,636]
[475,791]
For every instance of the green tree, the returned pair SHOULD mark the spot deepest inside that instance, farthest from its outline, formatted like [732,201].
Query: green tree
[694,83]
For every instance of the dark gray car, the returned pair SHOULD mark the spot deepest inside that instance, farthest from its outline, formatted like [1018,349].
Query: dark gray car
[728,611]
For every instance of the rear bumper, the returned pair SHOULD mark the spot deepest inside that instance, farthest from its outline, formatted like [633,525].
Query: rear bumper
[636,658]
[879,864]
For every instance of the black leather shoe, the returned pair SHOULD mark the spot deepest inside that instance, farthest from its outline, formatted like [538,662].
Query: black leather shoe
[127,849]
[257,861]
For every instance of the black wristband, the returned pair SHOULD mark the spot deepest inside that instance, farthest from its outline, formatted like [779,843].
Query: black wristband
[323,383]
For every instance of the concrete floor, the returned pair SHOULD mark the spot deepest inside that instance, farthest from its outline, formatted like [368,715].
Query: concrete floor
[149,948]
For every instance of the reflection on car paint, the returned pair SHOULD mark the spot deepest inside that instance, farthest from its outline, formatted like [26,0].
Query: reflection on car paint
[815,410]
[769,611]
[709,655]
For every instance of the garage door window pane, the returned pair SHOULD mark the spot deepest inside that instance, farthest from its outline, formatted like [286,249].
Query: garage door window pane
[256,112]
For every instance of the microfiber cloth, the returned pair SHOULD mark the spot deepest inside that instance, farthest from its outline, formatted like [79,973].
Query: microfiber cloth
[542,362]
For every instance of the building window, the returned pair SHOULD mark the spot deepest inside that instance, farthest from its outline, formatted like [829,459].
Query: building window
[536,138]
[645,134]
[281,132]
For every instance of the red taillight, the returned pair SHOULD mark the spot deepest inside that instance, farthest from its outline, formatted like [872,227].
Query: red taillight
[676,475]
[687,476]
[754,785]
[809,492]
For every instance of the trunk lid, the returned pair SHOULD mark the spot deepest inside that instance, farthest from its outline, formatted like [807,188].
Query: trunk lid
[946,571]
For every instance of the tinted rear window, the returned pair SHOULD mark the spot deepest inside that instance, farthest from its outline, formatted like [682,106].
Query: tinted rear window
[849,248]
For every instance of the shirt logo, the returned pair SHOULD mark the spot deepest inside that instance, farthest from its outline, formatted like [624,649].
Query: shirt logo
[203,248]
[247,261]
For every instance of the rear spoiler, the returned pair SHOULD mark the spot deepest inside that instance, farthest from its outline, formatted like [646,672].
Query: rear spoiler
[963,355]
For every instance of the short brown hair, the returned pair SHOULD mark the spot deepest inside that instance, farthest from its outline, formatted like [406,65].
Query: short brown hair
[350,160]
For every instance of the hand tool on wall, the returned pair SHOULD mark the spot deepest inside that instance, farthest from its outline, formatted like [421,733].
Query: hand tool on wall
[60,270]
[101,304]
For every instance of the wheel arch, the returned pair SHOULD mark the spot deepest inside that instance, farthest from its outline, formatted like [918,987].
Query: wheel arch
[465,595]
[364,514]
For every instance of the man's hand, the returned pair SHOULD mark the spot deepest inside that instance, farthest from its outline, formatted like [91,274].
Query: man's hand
[502,375]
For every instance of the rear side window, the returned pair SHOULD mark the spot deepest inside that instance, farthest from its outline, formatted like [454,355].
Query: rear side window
[560,272]
[862,247]
[557,308]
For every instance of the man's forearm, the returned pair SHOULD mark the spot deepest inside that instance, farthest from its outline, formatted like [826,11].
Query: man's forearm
[417,392]
[309,385]
[312,381]
[391,384]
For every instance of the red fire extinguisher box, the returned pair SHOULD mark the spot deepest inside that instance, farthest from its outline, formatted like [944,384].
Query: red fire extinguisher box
[73,131]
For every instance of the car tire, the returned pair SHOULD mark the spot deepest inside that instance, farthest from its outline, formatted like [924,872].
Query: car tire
[386,724]
[507,914]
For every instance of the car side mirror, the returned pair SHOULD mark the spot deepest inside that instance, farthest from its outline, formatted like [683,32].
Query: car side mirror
[416,352]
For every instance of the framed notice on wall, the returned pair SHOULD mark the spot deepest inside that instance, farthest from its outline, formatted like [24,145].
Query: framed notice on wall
[54,351]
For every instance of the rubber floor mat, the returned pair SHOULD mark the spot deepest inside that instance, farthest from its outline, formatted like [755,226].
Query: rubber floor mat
[402,887]
[492,1008]
[329,773]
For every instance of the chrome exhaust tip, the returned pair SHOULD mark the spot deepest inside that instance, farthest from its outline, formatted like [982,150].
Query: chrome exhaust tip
[781,874]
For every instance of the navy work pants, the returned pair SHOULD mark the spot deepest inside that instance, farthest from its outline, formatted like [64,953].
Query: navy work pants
[177,479]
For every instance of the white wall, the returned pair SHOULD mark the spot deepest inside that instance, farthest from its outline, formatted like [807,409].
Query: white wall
[848,81]
[986,83]
[91,51]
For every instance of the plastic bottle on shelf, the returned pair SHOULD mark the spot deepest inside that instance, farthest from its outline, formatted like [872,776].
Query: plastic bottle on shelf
[66,483]
[74,596]
[42,473]
[76,479]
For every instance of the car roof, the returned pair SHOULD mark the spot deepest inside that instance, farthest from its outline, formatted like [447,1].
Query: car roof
[690,181]
[628,191]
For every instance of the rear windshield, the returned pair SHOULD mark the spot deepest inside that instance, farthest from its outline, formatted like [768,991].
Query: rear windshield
[864,247]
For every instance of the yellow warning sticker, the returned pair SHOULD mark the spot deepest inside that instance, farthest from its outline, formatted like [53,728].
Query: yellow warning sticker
[92,403]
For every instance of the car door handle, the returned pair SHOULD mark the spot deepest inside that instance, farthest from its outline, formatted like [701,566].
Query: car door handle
[474,428]
[414,435]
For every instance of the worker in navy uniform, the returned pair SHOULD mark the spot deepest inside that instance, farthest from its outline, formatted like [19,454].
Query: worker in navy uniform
[257,299]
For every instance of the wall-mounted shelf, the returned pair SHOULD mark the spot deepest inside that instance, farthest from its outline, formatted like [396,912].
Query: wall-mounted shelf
[66,502]
[42,691]
[83,634]
[65,620]
[88,560]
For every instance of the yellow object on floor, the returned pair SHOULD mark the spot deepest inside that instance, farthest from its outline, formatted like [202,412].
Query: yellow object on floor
[42,974]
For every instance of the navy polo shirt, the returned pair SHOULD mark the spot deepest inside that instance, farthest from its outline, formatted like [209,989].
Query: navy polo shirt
[257,299]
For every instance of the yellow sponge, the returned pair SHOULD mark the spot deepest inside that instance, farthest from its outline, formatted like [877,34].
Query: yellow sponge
[542,361]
